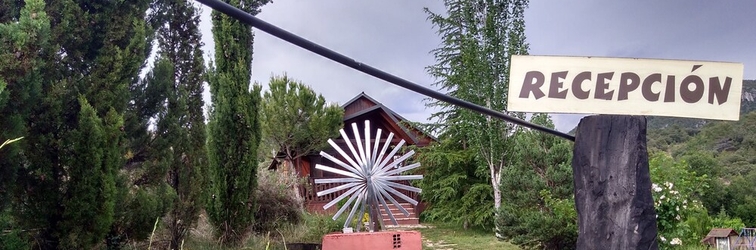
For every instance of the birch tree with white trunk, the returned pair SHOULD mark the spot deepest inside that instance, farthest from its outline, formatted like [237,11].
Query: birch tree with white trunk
[478,40]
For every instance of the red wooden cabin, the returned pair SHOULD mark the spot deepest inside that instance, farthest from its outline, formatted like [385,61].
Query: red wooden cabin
[357,110]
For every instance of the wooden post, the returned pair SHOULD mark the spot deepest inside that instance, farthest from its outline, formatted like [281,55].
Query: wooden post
[612,184]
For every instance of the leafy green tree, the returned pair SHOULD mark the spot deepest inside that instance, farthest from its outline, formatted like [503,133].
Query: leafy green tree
[234,127]
[97,53]
[538,208]
[478,39]
[296,119]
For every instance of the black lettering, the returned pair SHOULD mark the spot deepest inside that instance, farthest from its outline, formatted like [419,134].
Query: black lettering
[532,84]
[691,96]
[556,84]
[602,86]
[716,89]
[625,87]
[577,91]
[669,93]
[646,88]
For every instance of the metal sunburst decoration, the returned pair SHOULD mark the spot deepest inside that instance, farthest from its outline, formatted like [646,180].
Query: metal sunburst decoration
[369,176]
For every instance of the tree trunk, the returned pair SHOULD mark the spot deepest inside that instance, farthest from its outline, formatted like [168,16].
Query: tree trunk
[289,168]
[495,183]
[613,185]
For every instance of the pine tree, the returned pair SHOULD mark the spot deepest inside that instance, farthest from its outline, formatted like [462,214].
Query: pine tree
[297,120]
[98,52]
[234,126]
[478,39]
[181,128]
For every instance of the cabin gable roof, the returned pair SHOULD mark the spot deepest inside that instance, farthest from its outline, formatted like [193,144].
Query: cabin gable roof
[363,104]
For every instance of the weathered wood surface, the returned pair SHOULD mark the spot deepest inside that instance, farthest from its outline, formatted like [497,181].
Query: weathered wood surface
[612,184]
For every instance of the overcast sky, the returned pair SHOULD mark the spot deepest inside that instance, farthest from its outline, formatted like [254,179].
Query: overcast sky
[394,35]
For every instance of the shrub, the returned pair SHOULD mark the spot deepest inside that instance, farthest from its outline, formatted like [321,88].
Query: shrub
[278,202]
[13,239]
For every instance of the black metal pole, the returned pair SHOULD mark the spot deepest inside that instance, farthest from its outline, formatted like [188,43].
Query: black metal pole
[364,68]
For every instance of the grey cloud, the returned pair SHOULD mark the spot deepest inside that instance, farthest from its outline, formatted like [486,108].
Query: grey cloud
[396,37]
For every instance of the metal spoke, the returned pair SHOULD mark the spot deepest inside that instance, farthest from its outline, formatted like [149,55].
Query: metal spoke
[369,179]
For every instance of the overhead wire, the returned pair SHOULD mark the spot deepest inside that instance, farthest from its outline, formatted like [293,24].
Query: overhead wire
[282,34]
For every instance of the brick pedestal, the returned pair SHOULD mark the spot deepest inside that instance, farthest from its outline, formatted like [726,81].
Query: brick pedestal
[388,240]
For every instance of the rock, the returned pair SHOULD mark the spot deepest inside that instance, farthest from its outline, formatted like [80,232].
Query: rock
[612,184]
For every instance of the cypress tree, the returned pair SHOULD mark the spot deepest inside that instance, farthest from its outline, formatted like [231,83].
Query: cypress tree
[182,127]
[24,34]
[234,126]
[143,195]
[88,202]
[73,148]
[22,47]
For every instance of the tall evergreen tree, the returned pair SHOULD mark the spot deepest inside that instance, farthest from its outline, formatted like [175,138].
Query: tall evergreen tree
[23,45]
[181,128]
[67,187]
[234,126]
[143,194]
[478,39]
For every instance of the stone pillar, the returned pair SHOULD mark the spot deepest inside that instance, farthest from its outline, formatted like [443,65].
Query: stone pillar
[612,184]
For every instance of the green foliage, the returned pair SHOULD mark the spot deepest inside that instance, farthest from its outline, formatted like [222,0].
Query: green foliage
[455,192]
[296,119]
[20,76]
[725,152]
[722,220]
[181,127]
[681,217]
[75,93]
[89,200]
[234,127]
[143,194]
[138,206]
[537,208]
[472,63]
[11,237]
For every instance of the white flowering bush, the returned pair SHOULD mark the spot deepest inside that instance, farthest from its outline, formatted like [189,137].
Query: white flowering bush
[676,190]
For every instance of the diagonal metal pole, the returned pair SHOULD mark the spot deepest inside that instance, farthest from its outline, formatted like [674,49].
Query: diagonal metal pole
[364,68]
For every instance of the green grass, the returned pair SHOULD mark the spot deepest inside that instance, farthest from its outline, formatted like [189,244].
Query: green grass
[439,236]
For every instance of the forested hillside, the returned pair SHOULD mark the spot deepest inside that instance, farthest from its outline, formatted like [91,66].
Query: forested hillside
[724,151]
[747,104]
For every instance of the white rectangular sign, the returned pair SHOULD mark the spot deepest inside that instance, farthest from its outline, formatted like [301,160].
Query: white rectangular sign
[625,86]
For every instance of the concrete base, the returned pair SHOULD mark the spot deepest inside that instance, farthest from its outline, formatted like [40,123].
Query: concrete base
[389,240]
